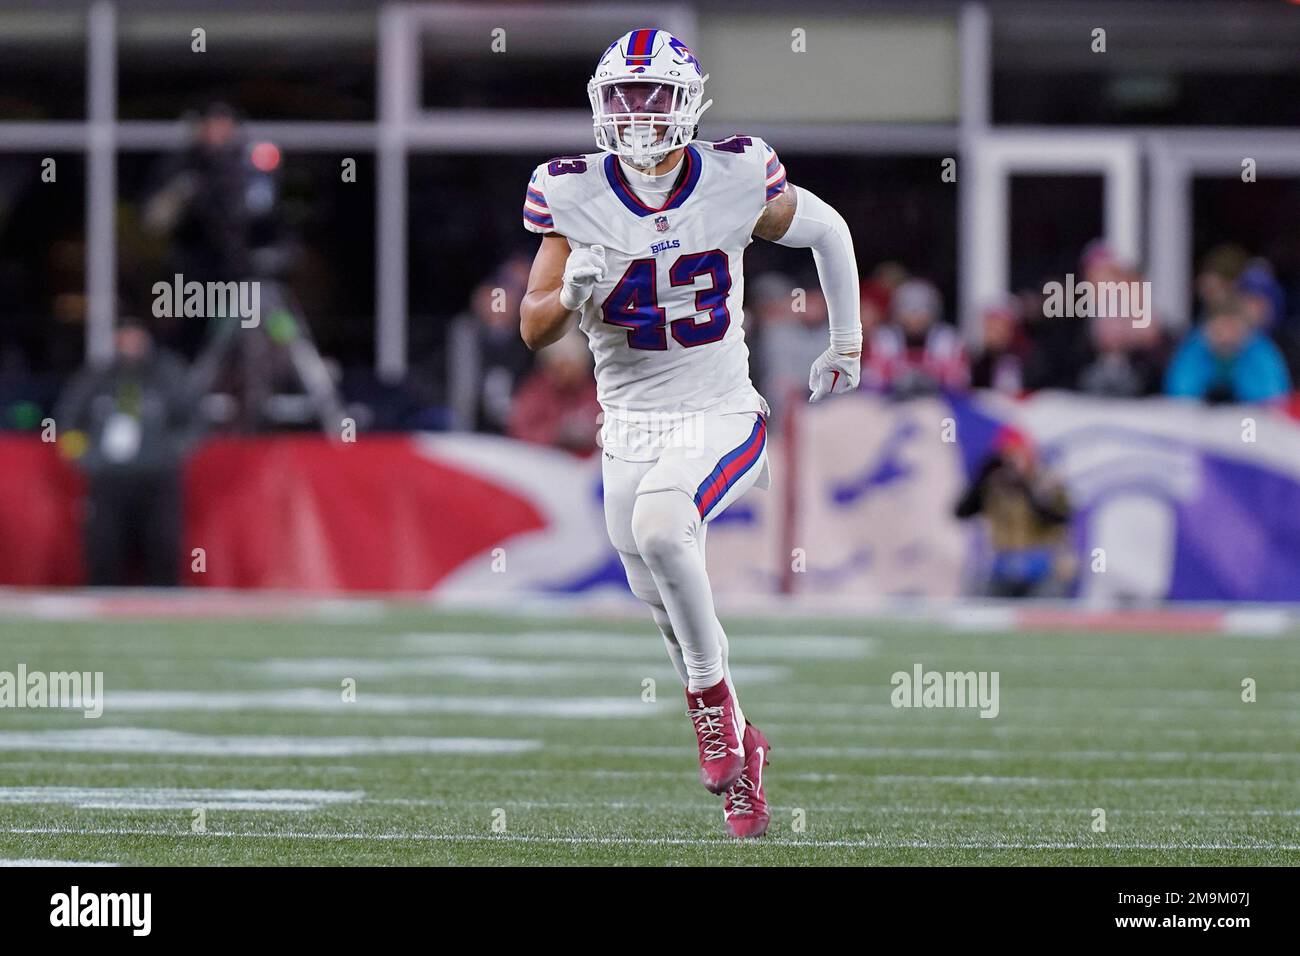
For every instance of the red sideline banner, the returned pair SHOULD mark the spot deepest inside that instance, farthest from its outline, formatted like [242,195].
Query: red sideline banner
[304,513]
[295,513]
[40,514]
[861,507]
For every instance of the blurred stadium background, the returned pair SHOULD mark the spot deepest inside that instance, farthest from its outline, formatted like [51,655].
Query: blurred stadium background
[385,430]
[364,163]
[379,484]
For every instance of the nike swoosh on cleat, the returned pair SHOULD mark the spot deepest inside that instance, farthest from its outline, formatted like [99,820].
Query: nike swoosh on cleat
[738,751]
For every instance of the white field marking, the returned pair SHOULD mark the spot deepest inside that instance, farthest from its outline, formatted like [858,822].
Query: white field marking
[647,841]
[58,863]
[877,730]
[503,669]
[148,740]
[161,605]
[166,798]
[1185,698]
[869,779]
[1249,622]
[1060,708]
[586,644]
[961,753]
[539,773]
[1081,696]
[293,769]
[264,807]
[1257,622]
[309,700]
[860,809]
[1107,664]
[979,619]
[884,779]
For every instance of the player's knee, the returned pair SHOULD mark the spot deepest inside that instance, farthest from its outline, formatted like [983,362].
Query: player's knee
[640,580]
[647,593]
[661,524]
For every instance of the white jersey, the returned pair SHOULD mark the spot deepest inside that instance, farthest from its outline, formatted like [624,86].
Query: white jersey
[666,324]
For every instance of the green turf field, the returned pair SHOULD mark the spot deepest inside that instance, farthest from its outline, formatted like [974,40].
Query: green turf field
[463,724]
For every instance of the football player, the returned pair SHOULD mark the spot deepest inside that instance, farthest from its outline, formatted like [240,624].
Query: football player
[643,241]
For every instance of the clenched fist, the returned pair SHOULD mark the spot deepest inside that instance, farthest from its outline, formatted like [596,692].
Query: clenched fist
[834,372]
[584,268]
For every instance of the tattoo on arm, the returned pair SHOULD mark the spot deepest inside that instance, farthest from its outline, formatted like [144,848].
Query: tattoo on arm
[776,216]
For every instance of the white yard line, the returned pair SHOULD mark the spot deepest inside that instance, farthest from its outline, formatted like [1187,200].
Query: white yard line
[644,841]
[813,809]
[56,863]
[1021,710]
[1235,783]
[962,753]
[588,644]
[151,740]
[506,668]
[170,798]
[148,740]
[879,731]
[153,766]
[309,700]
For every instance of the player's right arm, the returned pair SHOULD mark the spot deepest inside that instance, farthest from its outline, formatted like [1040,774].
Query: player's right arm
[561,281]
[543,319]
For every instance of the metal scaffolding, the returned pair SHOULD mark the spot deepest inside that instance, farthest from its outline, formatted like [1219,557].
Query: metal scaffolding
[987,156]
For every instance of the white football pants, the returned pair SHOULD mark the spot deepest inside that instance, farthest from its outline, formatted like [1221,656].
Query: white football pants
[657,512]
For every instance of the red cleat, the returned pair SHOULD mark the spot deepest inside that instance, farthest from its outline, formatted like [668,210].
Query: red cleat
[745,809]
[722,756]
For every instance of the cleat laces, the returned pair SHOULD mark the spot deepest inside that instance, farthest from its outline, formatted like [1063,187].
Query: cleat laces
[708,728]
[740,794]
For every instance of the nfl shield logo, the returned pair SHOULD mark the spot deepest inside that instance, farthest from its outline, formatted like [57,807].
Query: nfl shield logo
[661,223]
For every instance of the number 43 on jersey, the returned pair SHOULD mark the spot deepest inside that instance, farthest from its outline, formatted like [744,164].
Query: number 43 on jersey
[634,303]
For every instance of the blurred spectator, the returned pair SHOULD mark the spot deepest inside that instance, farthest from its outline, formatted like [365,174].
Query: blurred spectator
[486,357]
[1068,350]
[1127,362]
[1000,364]
[128,425]
[217,202]
[1055,344]
[1028,515]
[875,296]
[877,292]
[1221,267]
[556,405]
[1227,359]
[916,354]
[789,341]
[1262,295]
[889,275]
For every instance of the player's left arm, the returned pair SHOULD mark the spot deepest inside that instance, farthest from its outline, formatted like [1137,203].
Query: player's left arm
[796,217]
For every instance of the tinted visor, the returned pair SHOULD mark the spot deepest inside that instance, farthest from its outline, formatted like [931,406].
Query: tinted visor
[637,98]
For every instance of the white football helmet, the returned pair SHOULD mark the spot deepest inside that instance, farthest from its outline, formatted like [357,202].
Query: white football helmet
[647,96]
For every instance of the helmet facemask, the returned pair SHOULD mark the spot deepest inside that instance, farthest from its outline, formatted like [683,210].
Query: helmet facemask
[642,119]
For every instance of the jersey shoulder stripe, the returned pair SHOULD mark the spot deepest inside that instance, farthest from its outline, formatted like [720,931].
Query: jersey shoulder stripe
[537,212]
[755,152]
[775,170]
